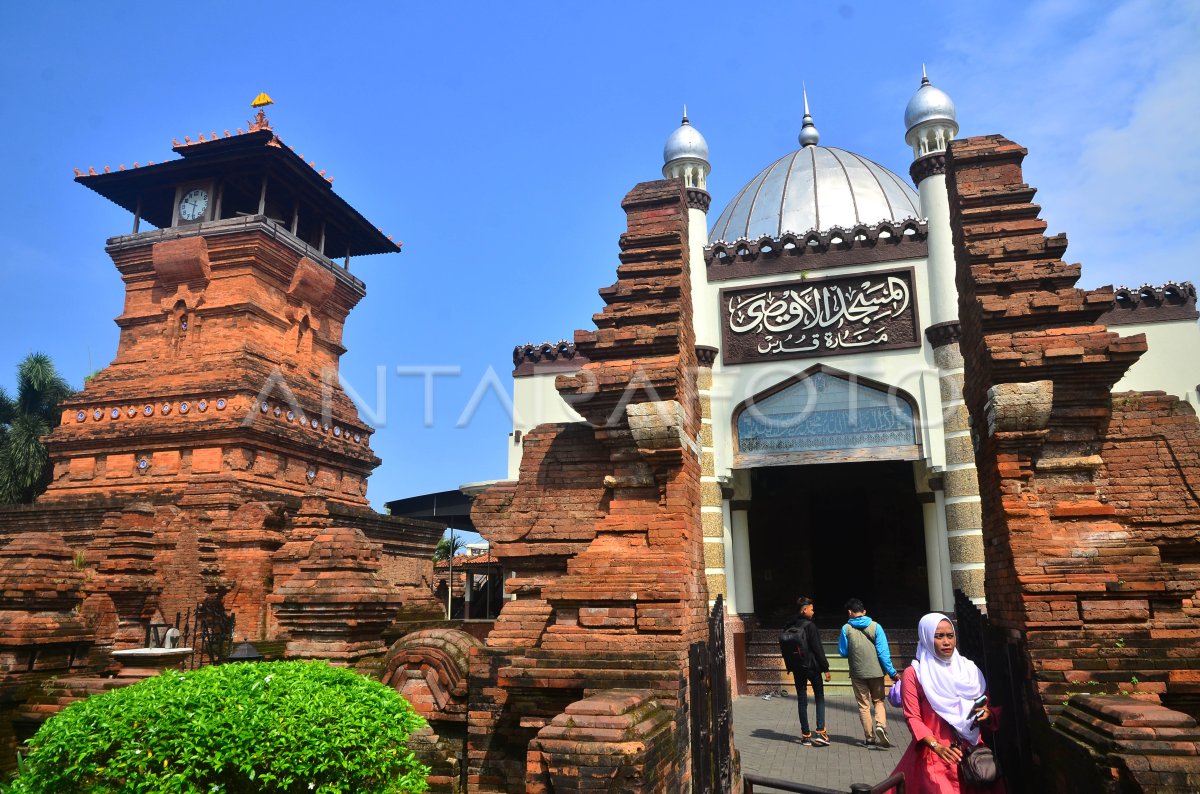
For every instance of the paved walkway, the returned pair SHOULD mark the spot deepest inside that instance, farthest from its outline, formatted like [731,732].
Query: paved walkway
[767,734]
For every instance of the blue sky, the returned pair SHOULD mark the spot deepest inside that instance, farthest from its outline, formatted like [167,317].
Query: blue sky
[497,140]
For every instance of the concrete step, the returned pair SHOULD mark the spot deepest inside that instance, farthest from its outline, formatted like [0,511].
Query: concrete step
[765,643]
[772,688]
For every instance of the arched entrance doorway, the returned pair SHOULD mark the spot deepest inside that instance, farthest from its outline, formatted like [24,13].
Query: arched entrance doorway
[834,531]
[834,509]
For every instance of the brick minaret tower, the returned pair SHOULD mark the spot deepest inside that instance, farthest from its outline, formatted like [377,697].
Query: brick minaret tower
[227,365]
[216,460]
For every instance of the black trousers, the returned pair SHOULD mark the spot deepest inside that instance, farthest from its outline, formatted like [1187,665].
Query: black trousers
[802,678]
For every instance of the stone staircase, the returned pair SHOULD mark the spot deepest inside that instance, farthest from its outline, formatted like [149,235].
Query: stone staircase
[765,673]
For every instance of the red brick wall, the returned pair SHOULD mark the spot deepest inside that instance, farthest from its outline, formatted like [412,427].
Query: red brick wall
[603,528]
[1091,516]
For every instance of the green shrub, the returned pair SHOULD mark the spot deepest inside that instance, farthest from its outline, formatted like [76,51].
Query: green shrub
[268,727]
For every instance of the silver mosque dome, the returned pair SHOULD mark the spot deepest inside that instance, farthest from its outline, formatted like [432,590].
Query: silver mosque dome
[929,104]
[817,188]
[685,142]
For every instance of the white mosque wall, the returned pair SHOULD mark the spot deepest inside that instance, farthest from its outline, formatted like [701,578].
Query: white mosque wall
[912,370]
[1171,363]
[705,317]
[535,402]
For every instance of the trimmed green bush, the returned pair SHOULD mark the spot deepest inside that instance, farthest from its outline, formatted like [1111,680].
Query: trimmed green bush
[268,727]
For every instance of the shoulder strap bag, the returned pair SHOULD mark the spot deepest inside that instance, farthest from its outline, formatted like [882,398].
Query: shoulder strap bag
[978,766]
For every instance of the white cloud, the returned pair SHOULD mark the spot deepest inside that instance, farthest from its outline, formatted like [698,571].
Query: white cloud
[1107,99]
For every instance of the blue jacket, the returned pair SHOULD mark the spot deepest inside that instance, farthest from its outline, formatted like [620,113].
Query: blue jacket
[881,643]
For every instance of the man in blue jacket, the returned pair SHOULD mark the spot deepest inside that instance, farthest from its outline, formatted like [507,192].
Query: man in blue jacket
[863,642]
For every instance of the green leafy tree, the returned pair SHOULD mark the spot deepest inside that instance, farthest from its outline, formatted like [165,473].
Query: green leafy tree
[449,546]
[24,464]
[294,727]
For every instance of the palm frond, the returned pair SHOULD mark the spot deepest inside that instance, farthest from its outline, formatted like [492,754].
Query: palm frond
[447,548]
[24,462]
[8,408]
[40,388]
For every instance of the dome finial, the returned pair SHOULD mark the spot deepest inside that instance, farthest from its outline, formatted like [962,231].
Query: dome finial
[808,132]
[929,119]
[686,155]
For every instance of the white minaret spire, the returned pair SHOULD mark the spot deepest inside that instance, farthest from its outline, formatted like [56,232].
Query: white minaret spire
[686,155]
[808,132]
[929,119]
[930,123]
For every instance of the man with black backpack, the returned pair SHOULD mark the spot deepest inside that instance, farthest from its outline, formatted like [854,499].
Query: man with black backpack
[866,646]
[800,644]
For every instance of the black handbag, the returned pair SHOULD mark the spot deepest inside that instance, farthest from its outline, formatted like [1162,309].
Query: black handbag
[978,766]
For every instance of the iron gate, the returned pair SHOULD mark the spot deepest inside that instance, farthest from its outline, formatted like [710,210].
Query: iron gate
[214,632]
[712,764]
[1001,663]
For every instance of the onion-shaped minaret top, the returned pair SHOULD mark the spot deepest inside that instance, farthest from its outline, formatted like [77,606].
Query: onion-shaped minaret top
[686,155]
[929,119]
[808,132]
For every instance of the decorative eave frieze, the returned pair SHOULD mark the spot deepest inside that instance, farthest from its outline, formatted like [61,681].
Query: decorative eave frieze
[698,199]
[942,334]
[531,359]
[706,355]
[791,252]
[1152,304]
[927,166]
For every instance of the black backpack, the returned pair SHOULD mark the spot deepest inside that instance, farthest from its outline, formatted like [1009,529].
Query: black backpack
[794,648]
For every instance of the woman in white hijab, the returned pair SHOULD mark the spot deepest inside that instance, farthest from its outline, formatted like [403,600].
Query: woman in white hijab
[945,705]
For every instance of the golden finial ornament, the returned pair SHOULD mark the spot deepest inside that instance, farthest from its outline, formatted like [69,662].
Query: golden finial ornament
[260,119]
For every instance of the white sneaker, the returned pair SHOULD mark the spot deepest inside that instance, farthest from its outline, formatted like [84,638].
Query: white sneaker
[881,737]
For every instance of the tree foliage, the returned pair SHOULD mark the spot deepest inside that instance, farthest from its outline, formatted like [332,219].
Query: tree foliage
[24,464]
[236,728]
[449,546]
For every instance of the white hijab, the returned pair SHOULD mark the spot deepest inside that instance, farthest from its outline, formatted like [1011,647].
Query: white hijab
[951,685]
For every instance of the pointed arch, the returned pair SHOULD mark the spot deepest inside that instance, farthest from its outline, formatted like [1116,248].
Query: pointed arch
[826,415]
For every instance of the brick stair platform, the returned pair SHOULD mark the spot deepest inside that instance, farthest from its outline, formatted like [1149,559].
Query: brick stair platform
[765,673]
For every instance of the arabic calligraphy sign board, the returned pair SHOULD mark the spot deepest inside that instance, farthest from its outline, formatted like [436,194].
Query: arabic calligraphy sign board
[819,317]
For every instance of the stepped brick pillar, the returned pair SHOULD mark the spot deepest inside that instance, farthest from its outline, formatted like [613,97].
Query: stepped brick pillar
[336,606]
[603,533]
[124,548]
[330,597]
[1095,592]
[42,633]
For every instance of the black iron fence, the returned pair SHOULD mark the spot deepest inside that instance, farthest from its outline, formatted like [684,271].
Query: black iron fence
[214,632]
[208,630]
[712,761]
[1003,665]
[754,783]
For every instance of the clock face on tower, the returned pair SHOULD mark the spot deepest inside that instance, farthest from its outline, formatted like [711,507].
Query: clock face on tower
[193,204]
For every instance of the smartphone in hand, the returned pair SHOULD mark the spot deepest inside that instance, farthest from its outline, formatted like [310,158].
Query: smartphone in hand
[977,709]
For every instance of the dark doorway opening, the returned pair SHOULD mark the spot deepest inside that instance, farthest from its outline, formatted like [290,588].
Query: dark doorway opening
[836,531]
